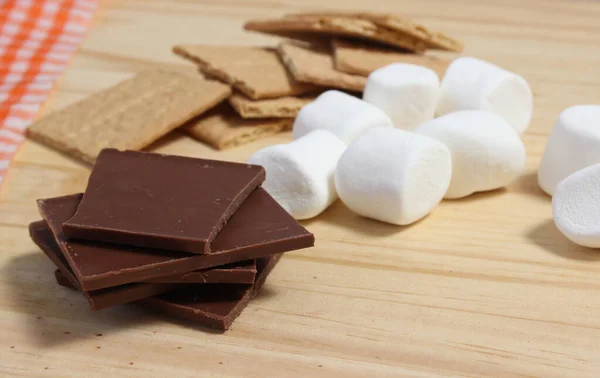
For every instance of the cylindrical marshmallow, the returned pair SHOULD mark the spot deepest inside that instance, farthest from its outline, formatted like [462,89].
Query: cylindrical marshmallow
[406,92]
[393,175]
[472,84]
[345,116]
[300,173]
[576,206]
[573,144]
[486,151]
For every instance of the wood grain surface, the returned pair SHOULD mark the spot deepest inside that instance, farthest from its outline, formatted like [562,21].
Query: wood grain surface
[485,286]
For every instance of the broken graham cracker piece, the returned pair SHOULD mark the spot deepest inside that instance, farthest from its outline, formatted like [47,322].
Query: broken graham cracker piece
[335,26]
[130,115]
[400,24]
[314,64]
[362,59]
[283,107]
[255,71]
[223,128]
[160,201]
[433,39]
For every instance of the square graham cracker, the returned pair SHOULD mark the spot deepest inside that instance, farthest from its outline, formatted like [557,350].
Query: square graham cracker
[223,128]
[314,64]
[362,59]
[283,107]
[130,115]
[255,71]
[336,26]
[397,23]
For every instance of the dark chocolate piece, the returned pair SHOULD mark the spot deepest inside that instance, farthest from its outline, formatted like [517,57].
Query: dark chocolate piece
[159,201]
[98,299]
[62,280]
[110,297]
[215,306]
[242,272]
[259,228]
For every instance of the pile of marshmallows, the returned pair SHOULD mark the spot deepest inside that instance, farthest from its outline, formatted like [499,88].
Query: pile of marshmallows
[387,158]
[570,173]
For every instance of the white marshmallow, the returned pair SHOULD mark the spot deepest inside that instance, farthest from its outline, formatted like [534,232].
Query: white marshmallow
[486,151]
[345,116]
[576,206]
[573,144]
[300,173]
[406,92]
[472,84]
[393,175]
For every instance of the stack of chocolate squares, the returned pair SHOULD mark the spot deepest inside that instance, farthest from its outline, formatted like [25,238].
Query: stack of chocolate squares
[191,238]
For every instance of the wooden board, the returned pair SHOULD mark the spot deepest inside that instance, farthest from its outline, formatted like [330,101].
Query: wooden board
[485,286]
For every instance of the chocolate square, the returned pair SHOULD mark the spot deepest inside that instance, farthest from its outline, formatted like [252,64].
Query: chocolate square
[259,228]
[160,201]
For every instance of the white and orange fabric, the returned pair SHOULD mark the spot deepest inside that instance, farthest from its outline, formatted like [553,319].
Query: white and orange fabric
[37,40]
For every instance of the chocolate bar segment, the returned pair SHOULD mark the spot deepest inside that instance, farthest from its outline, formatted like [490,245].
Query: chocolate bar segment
[214,306]
[259,228]
[98,299]
[242,272]
[110,297]
[158,201]
[210,306]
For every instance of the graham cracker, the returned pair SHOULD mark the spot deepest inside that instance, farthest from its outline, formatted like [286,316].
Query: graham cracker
[336,26]
[397,23]
[314,64]
[362,59]
[283,107]
[223,128]
[255,71]
[130,115]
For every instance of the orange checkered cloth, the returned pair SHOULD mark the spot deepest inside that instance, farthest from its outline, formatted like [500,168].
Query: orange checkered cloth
[37,39]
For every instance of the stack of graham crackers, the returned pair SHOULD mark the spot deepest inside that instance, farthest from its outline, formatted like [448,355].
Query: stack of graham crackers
[190,238]
[342,49]
[245,92]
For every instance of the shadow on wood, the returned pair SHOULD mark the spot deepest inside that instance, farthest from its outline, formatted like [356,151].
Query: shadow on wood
[55,315]
[265,293]
[166,140]
[340,215]
[527,184]
[547,236]
[479,196]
